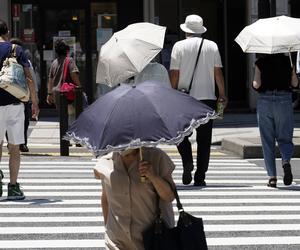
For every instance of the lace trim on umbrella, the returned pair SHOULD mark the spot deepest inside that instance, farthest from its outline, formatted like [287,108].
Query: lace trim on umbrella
[137,143]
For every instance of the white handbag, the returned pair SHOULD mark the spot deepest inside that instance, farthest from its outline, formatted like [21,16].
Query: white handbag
[12,77]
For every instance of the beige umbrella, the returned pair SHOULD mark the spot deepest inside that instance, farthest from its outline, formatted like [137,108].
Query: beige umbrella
[271,35]
[128,52]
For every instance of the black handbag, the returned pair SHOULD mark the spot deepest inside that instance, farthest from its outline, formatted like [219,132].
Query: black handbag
[187,235]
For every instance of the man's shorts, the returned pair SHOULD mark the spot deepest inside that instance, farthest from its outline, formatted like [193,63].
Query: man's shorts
[12,122]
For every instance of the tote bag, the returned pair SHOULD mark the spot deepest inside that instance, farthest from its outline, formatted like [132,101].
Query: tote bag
[187,235]
[12,77]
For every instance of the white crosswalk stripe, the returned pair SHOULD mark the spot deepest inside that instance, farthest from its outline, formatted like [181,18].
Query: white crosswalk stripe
[62,209]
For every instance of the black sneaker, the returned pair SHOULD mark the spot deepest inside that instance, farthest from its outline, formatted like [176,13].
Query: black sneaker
[187,174]
[288,176]
[14,192]
[24,148]
[1,177]
[200,183]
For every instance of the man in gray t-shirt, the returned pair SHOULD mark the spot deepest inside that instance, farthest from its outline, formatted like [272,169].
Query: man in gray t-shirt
[207,73]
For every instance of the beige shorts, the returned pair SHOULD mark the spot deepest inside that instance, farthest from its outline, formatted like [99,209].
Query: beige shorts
[12,122]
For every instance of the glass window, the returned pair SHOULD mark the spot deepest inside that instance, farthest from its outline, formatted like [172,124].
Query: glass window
[104,24]
[24,26]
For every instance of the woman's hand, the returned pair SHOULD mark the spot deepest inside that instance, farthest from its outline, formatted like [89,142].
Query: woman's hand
[50,99]
[146,170]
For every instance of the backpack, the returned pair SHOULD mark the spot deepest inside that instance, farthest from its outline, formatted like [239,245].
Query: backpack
[12,77]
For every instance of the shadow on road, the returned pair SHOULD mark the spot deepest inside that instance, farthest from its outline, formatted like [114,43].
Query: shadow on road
[34,201]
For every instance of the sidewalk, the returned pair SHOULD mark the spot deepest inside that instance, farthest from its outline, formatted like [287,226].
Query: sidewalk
[237,133]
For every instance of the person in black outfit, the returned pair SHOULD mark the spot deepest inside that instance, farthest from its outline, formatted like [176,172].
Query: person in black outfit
[27,105]
[274,78]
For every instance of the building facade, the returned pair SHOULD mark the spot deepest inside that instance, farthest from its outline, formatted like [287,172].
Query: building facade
[86,24]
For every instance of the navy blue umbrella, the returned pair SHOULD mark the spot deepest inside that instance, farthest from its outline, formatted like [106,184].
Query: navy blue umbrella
[135,116]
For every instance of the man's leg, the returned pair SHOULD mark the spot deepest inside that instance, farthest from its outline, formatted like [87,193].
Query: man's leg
[185,150]
[14,192]
[203,138]
[14,163]
[15,132]
[27,115]
[284,122]
[204,134]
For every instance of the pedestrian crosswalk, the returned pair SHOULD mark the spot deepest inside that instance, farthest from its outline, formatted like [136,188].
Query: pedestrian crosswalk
[62,209]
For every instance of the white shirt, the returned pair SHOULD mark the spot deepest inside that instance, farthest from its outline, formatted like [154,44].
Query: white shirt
[183,58]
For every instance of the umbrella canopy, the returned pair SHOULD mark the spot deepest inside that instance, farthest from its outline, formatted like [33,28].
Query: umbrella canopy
[128,52]
[134,116]
[271,35]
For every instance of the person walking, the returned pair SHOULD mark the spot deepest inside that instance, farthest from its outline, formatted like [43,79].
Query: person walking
[274,77]
[27,105]
[56,76]
[12,116]
[202,76]
[129,205]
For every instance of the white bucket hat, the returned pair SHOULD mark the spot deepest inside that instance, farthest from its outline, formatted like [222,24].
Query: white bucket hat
[193,24]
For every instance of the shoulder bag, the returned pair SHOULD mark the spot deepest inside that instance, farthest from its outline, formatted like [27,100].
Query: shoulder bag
[187,91]
[12,77]
[67,88]
[187,235]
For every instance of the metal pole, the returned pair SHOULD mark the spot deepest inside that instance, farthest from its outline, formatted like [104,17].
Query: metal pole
[63,124]
[273,8]
[179,16]
[78,101]
[146,10]
[225,13]
[263,9]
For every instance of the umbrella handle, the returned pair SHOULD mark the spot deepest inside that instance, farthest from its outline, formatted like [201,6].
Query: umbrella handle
[291,60]
[141,153]
[143,178]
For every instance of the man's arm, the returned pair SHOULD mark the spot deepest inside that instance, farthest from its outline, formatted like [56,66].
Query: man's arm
[220,83]
[33,93]
[174,78]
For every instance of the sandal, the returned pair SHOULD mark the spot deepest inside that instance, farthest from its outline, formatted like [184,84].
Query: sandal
[272,182]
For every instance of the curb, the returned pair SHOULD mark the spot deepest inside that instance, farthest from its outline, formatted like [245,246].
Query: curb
[252,148]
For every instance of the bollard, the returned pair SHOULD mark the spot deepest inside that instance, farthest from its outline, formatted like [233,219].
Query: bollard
[63,124]
[78,101]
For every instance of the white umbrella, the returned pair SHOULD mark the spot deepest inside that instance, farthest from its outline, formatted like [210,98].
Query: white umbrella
[271,35]
[128,52]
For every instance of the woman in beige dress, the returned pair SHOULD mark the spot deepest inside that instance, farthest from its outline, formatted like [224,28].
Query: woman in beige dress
[128,204]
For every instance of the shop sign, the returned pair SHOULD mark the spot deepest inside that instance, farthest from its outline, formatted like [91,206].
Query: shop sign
[63,33]
[16,9]
[26,7]
[28,35]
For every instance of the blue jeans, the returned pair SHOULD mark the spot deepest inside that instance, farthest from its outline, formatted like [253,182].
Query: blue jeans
[276,123]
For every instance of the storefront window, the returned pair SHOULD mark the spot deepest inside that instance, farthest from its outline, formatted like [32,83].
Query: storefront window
[24,26]
[67,24]
[104,24]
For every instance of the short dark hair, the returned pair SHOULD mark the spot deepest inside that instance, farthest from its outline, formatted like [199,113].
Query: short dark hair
[3,28]
[61,47]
